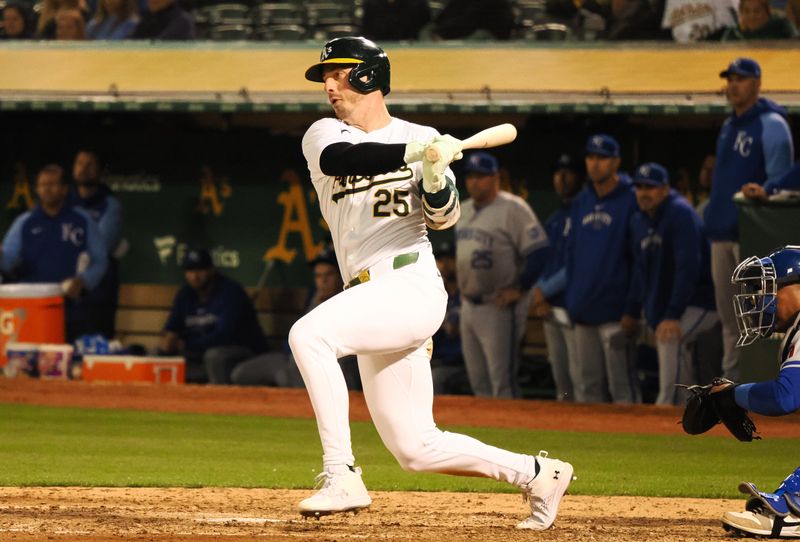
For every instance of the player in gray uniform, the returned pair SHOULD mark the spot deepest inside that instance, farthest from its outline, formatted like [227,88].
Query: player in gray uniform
[500,250]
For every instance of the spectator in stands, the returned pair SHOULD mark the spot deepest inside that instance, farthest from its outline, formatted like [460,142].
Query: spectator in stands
[599,262]
[634,20]
[212,323]
[70,25]
[113,20]
[698,20]
[55,242]
[46,25]
[501,249]
[548,293]
[793,12]
[447,361]
[279,368]
[385,20]
[754,145]
[671,278]
[17,22]
[757,22]
[165,20]
[474,19]
[95,198]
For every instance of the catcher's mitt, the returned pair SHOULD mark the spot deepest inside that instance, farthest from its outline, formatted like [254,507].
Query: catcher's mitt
[713,403]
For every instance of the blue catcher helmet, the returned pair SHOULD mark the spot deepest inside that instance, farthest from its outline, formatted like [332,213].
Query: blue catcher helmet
[759,280]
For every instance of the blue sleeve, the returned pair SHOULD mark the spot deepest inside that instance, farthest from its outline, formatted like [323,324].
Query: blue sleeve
[534,263]
[554,284]
[111,224]
[773,397]
[789,181]
[777,143]
[687,254]
[177,312]
[98,254]
[12,244]
[227,320]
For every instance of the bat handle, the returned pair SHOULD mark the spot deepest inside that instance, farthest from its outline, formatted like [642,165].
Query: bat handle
[432,153]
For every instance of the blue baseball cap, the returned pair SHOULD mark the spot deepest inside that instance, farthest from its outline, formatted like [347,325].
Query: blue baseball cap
[651,174]
[746,67]
[481,162]
[602,144]
[326,255]
[197,258]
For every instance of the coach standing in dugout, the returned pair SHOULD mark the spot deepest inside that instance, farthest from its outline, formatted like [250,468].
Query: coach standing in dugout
[58,243]
[754,146]
[599,263]
[671,278]
[501,249]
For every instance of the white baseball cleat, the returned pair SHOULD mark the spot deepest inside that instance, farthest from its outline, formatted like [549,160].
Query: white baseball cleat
[545,491]
[761,523]
[338,492]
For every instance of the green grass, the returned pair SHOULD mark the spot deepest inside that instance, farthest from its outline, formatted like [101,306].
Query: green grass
[87,447]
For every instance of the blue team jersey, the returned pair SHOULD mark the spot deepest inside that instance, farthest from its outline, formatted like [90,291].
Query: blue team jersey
[558,226]
[672,268]
[43,248]
[755,147]
[226,318]
[598,254]
[782,395]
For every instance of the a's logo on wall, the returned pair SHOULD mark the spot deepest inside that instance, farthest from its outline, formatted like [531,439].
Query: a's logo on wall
[295,220]
[165,246]
[21,197]
[212,193]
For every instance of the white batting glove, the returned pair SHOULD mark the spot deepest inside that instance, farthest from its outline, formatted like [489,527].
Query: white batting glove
[415,151]
[433,178]
[448,147]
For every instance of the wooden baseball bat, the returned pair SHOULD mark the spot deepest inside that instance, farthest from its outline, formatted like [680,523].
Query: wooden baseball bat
[495,136]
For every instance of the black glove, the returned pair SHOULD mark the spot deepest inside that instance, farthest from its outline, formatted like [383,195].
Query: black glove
[713,403]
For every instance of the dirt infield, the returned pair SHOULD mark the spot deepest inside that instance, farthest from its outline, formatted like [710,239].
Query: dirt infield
[72,514]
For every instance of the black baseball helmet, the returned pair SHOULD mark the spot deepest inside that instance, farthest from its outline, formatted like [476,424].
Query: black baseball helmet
[370,63]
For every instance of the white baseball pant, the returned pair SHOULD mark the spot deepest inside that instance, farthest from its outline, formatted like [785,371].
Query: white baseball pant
[387,322]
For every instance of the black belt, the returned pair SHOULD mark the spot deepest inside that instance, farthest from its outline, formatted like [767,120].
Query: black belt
[399,261]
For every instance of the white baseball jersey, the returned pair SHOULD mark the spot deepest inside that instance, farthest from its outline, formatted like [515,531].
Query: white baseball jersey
[695,20]
[376,217]
[492,242]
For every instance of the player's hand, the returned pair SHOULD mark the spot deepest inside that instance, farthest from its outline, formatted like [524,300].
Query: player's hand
[542,309]
[668,330]
[629,325]
[507,296]
[448,147]
[415,151]
[754,191]
[433,178]
[72,287]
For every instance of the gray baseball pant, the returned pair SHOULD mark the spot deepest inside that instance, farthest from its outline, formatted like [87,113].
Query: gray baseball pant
[675,361]
[724,259]
[560,339]
[606,357]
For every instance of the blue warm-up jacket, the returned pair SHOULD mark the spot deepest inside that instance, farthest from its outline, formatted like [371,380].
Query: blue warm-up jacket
[789,181]
[672,268]
[43,248]
[553,278]
[755,147]
[598,254]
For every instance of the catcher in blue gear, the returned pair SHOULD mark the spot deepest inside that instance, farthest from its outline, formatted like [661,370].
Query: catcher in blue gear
[769,302]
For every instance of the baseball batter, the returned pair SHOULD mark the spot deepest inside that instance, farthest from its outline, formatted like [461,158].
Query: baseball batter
[377,194]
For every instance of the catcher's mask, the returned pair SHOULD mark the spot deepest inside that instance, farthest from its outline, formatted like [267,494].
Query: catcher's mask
[759,280]
[371,69]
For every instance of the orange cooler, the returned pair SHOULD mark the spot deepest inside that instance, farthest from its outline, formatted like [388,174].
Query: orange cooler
[30,313]
[116,368]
